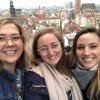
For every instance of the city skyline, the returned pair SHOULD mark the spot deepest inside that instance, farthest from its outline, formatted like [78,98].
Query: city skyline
[37,3]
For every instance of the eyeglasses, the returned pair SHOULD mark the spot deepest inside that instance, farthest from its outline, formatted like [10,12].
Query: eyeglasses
[54,46]
[13,37]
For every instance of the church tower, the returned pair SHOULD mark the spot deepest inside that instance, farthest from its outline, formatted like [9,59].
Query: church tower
[12,9]
[77,6]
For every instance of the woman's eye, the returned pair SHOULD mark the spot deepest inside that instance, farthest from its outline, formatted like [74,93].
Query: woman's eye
[80,47]
[16,37]
[93,46]
[54,45]
[2,38]
[43,49]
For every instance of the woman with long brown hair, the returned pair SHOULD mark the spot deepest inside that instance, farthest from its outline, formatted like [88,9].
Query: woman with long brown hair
[85,62]
[51,79]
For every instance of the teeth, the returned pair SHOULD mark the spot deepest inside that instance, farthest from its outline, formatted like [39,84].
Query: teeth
[10,52]
[52,58]
[88,59]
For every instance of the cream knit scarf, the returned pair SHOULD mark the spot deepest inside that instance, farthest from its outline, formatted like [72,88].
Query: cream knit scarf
[58,85]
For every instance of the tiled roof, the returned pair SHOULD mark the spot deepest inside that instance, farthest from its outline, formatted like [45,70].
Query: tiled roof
[88,6]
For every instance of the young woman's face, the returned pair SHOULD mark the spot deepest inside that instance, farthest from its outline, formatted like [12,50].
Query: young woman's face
[11,45]
[88,50]
[49,48]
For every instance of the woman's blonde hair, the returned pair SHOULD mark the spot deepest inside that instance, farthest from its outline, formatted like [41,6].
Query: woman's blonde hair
[21,61]
[94,88]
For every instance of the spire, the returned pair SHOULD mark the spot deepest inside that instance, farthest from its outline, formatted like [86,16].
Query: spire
[12,9]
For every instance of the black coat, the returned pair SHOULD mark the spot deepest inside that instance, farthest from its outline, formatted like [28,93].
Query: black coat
[35,87]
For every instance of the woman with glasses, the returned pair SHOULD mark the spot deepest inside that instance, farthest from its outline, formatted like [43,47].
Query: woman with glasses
[11,60]
[51,79]
[86,62]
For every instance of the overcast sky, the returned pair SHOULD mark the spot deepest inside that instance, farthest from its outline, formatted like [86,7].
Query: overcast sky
[34,3]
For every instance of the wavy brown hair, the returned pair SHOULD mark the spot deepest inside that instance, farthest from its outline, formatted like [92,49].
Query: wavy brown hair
[62,64]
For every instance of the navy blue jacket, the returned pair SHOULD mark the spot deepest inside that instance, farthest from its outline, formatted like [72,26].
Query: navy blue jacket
[7,91]
[35,87]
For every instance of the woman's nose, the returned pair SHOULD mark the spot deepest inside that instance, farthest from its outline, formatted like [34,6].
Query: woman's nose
[10,42]
[87,51]
[50,50]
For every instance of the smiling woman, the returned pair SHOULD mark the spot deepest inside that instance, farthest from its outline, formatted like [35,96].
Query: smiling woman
[51,79]
[11,60]
[86,62]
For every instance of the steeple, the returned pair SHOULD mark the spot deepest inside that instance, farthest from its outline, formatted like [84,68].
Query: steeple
[12,9]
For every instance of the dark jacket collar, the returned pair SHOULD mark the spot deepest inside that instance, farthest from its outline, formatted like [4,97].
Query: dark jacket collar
[9,76]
